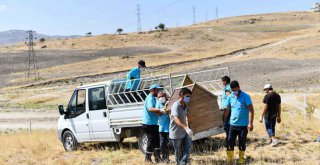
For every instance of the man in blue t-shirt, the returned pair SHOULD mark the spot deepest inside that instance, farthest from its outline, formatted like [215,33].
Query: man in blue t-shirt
[133,80]
[239,104]
[150,124]
[163,123]
[224,101]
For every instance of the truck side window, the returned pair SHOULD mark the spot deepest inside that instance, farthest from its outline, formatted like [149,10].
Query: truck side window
[81,100]
[73,102]
[97,99]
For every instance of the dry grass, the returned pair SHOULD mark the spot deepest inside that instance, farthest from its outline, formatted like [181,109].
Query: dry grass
[296,134]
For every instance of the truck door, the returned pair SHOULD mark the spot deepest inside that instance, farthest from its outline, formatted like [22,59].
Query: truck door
[78,116]
[98,115]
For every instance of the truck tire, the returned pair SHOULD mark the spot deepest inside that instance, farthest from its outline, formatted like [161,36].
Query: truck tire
[142,141]
[70,143]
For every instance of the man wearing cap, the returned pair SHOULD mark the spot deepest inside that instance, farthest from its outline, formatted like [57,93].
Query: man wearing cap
[150,124]
[239,104]
[133,79]
[271,112]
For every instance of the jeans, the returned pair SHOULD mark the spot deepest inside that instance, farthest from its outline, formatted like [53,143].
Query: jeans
[226,128]
[164,140]
[186,142]
[153,142]
[237,131]
[270,126]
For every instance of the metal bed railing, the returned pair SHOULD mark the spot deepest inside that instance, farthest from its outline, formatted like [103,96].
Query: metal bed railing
[125,91]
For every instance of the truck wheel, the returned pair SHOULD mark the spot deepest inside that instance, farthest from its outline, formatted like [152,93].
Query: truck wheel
[70,143]
[142,141]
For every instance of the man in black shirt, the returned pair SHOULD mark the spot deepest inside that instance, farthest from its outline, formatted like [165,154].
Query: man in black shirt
[271,113]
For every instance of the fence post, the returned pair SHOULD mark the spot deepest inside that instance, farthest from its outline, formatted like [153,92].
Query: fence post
[29,126]
[170,80]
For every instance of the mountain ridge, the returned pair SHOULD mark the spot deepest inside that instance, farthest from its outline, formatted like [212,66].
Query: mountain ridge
[14,36]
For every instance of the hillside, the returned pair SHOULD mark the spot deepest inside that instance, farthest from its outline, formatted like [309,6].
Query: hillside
[106,53]
[273,48]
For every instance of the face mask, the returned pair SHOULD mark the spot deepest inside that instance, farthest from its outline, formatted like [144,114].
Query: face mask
[186,99]
[235,93]
[162,100]
[142,69]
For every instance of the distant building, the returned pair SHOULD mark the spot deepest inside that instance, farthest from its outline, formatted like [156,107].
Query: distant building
[316,7]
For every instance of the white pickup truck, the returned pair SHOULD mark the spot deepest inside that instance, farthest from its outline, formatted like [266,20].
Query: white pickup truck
[108,112]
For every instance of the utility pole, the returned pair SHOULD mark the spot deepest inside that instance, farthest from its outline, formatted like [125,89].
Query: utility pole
[206,17]
[32,62]
[194,14]
[217,13]
[138,19]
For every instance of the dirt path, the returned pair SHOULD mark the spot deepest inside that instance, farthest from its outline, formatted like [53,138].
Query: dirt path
[27,119]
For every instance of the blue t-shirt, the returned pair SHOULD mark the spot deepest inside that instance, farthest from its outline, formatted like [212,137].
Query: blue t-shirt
[135,73]
[149,118]
[239,109]
[224,101]
[164,120]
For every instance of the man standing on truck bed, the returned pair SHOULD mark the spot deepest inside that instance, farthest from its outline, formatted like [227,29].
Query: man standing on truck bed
[133,80]
[241,120]
[150,124]
[271,112]
[179,132]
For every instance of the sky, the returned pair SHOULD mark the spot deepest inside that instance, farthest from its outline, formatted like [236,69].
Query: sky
[77,17]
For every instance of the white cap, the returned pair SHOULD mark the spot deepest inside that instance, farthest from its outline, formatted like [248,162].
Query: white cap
[267,86]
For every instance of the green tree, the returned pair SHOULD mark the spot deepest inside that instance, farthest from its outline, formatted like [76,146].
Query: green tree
[89,34]
[42,40]
[119,30]
[161,26]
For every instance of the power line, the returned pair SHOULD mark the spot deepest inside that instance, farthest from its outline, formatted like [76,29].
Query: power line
[217,13]
[206,17]
[152,14]
[138,19]
[31,61]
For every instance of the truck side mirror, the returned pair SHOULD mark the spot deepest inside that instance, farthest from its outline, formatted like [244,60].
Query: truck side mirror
[61,110]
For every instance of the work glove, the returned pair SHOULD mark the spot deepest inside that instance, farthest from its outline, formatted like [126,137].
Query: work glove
[189,131]
[163,110]
[260,119]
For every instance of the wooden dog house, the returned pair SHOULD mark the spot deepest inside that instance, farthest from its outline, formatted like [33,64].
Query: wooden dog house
[203,108]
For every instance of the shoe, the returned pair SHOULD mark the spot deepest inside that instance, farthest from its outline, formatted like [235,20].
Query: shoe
[274,142]
[165,159]
[148,158]
[242,160]
[230,155]
[157,157]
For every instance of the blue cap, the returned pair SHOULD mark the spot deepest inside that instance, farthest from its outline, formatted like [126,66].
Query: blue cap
[154,86]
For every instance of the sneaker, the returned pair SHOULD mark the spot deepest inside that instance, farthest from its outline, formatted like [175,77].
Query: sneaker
[274,142]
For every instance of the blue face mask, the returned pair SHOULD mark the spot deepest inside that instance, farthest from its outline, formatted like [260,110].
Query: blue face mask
[186,99]
[235,92]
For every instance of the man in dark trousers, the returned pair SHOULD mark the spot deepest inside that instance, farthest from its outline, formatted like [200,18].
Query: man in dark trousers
[241,120]
[226,92]
[150,124]
[271,112]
